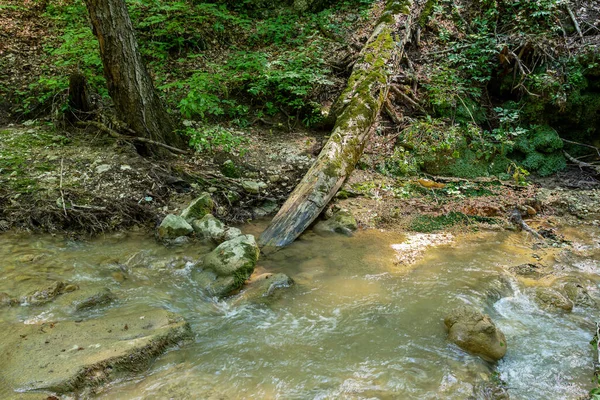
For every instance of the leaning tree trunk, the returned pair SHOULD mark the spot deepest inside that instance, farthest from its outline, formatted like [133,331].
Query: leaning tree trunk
[356,111]
[129,83]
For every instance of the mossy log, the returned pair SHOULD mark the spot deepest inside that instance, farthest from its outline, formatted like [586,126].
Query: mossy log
[356,112]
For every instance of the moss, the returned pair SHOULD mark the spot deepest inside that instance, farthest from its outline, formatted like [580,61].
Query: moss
[546,140]
[428,223]
[427,12]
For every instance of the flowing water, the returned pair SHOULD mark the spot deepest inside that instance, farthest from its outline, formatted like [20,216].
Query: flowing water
[357,325]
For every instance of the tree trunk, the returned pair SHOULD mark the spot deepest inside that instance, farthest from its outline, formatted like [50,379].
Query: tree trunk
[80,105]
[356,111]
[129,83]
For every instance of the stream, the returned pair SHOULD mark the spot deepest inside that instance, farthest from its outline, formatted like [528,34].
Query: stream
[356,325]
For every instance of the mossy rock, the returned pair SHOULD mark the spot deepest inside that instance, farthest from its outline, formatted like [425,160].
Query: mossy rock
[198,208]
[228,266]
[174,226]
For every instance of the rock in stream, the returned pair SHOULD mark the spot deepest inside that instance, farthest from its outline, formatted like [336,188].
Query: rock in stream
[69,356]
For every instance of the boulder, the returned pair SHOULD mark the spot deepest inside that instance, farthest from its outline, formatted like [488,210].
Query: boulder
[227,267]
[209,228]
[232,233]
[264,287]
[198,208]
[341,221]
[174,226]
[475,333]
[550,298]
[68,356]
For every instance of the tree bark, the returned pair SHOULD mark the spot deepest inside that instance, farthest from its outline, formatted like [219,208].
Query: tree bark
[356,112]
[129,83]
[80,105]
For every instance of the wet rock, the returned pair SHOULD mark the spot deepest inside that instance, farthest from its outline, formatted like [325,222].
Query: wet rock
[6,300]
[341,221]
[577,293]
[68,356]
[99,299]
[46,294]
[209,228]
[550,298]
[268,207]
[198,208]
[227,267]
[531,271]
[232,233]
[264,287]
[174,226]
[475,333]
[253,186]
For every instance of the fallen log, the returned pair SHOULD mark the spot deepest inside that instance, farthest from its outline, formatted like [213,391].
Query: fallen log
[356,112]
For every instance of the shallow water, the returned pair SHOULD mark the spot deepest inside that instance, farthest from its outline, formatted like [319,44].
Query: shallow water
[356,325]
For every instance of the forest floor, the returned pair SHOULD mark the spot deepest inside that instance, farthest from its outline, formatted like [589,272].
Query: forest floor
[79,182]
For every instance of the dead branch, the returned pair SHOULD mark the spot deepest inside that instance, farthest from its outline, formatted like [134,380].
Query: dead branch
[582,164]
[100,126]
[517,219]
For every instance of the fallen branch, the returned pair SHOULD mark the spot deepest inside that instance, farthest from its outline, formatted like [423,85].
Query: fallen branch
[100,126]
[574,20]
[582,164]
[517,219]
[582,144]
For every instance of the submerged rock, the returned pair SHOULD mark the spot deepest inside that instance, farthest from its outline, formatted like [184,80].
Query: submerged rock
[264,287]
[209,228]
[531,271]
[340,222]
[227,267]
[101,298]
[6,300]
[68,356]
[174,226]
[475,333]
[550,298]
[47,294]
[577,293]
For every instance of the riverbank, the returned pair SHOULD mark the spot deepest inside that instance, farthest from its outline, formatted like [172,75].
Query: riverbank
[78,182]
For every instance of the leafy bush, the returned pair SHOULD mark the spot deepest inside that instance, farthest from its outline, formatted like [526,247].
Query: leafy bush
[216,138]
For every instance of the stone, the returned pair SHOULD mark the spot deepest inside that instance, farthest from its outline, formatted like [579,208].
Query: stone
[531,271]
[264,288]
[577,293]
[475,333]
[341,221]
[268,207]
[174,226]
[199,207]
[227,267]
[209,228]
[101,298]
[100,169]
[550,298]
[6,300]
[274,178]
[68,356]
[253,186]
[44,295]
[232,233]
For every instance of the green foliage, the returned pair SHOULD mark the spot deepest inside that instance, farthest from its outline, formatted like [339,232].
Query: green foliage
[270,82]
[216,138]
[428,223]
